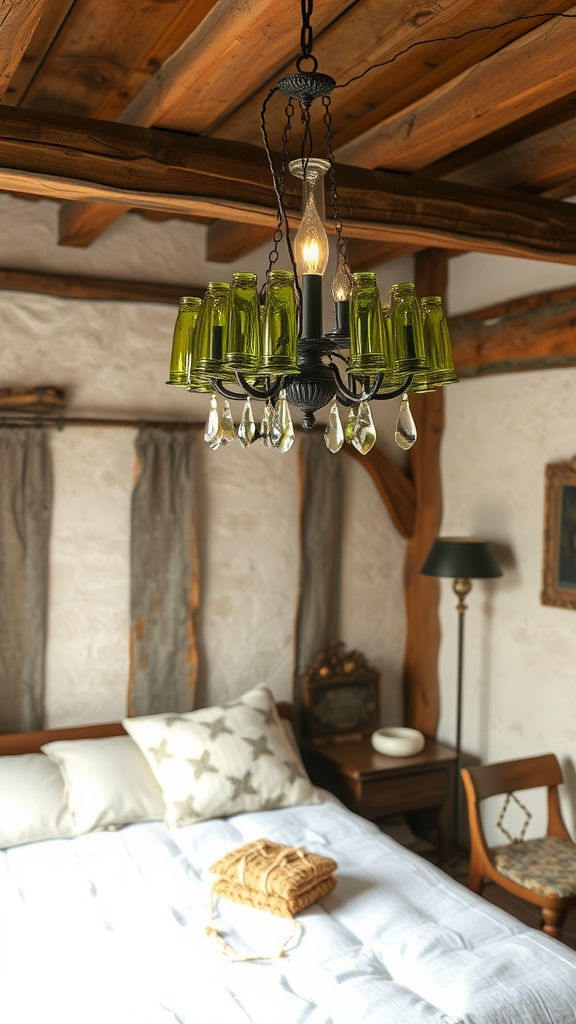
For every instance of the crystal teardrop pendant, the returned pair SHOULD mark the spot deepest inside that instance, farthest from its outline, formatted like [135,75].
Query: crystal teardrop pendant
[334,434]
[265,426]
[281,429]
[212,429]
[350,425]
[406,432]
[247,427]
[365,432]
[227,433]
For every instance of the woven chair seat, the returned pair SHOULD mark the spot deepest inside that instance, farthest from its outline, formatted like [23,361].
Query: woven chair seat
[546,866]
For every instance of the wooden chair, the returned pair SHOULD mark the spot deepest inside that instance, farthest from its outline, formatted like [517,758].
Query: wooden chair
[541,871]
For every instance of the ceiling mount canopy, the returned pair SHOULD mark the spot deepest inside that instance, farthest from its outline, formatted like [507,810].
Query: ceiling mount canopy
[270,342]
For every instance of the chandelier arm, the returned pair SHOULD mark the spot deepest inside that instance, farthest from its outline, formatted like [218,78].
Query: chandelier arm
[219,387]
[349,396]
[263,393]
[385,395]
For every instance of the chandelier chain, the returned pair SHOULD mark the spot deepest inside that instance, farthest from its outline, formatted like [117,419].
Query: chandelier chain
[281,226]
[279,182]
[306,35]
[341,243]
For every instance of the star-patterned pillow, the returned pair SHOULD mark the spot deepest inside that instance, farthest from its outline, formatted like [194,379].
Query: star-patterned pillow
[223,760]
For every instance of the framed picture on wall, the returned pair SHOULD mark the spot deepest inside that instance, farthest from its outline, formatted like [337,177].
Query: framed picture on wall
[340,696]
[559,567]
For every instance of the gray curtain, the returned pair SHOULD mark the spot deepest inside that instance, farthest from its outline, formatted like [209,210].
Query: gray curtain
[321,521]
[164,573]
[25,518]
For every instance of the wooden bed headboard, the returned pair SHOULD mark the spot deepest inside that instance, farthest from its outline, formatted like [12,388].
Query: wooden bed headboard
[32,742]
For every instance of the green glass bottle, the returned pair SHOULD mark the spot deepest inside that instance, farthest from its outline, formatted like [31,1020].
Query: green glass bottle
[212,334]
[367,351]
[392,378]
[182,342]
[244,346]
[437,348]
[279,325]
[407,329]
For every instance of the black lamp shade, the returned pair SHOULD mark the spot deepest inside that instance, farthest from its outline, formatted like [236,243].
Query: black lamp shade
[461,558]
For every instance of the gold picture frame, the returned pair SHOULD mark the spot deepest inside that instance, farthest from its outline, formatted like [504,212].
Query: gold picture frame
[559,563]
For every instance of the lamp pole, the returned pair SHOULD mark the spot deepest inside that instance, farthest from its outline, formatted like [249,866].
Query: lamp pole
[461,587]
[462,559]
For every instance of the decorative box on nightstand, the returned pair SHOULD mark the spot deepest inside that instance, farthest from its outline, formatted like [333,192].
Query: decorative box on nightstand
[376,786]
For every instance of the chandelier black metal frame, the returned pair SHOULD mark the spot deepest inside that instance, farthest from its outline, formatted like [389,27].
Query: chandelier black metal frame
[272,343]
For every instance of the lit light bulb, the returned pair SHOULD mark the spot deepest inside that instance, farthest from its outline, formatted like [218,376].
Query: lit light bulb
[341,282]
[311,248]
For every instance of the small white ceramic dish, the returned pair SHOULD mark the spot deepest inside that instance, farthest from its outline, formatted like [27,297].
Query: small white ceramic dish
[397,741]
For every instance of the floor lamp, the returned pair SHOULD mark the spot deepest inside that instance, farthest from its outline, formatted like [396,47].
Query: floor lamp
[463,559]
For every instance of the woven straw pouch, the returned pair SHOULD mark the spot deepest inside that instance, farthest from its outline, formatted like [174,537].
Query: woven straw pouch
[268,876]
[282,879]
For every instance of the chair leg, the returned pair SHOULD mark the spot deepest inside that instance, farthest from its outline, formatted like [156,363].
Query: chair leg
[476,877]
[552,921]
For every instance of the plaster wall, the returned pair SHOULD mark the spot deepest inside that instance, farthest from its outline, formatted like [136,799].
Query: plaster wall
[500,432]
[112,359]
[520,655]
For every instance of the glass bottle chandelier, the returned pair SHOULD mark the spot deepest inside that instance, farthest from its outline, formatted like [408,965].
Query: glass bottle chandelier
[270,342]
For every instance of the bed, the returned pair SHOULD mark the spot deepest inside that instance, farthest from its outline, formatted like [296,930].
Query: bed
[113,918]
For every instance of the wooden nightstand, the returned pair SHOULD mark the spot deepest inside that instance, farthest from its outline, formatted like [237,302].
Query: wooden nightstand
[377,786]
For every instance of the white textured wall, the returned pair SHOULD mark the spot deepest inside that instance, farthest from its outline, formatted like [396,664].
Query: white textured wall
[500,433]
[520,655]
[112,358]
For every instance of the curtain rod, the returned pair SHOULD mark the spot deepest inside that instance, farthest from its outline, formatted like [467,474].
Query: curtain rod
[60,422]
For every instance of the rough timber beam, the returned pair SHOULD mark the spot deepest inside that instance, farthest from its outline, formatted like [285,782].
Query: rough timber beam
[146,168]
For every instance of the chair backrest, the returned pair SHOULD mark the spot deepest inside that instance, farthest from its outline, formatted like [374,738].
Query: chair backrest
[509,776]
[543,771]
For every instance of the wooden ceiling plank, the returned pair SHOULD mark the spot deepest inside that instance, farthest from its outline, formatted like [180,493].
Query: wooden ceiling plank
[86,69]
[19,21]
[195,86]
[531,72]
[191,14]
[352,45]
[52,17]
[231,52]
[199,176]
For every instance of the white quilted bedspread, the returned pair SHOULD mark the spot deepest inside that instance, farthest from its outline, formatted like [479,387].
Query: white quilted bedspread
[109,929]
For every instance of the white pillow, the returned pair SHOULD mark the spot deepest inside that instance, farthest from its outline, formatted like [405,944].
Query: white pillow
[107,782]
[32,800]
[223,760]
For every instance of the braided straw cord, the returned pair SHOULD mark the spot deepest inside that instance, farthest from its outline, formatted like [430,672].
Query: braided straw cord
[268,876]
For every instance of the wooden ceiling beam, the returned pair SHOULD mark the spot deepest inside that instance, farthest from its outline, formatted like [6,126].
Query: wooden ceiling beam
[529,73]
[227,242]
[73,286]
[140,167]
[534,332]
[544,164]
[341,49]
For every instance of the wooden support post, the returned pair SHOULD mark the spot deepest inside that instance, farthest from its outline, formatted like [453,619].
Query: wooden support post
[421,690]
